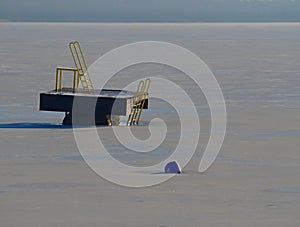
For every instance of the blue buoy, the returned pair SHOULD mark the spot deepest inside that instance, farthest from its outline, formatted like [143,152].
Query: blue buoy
[172,167]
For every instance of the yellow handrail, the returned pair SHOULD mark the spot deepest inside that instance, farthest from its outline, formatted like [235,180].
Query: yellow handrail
[80,64]
[139,102]
[59,74]
[143,99]
[81,73]
[136,103]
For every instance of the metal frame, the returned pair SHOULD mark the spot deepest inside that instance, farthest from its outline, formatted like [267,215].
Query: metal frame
[80,64]
[59,75]
[139,102]
[80,71]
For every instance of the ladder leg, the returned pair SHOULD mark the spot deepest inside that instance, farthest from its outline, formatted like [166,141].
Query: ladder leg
[60,80]
[56,81]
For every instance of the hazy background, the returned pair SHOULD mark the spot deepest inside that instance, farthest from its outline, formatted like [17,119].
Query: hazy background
[151,10]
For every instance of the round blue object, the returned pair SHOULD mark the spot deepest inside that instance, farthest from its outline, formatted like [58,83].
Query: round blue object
[172,167]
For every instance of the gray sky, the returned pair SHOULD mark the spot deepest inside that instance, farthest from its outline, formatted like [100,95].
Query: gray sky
[150,10]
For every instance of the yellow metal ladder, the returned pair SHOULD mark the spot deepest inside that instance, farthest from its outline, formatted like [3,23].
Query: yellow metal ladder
[80,64]
[139,102]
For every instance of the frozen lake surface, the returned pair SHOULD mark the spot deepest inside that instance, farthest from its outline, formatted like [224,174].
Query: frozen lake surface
[255,180]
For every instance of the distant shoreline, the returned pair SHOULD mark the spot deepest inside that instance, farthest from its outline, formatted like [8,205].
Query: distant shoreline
[149,22]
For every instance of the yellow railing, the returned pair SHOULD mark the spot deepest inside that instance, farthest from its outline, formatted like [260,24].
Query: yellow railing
[139,102]
[80,71]
[81,65]
[59,75]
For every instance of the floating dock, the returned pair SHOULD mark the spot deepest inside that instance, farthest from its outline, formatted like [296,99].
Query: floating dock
[107,104]
[89,106]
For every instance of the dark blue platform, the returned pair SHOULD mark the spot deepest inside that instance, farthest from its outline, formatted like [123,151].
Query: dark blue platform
[109,102]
